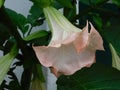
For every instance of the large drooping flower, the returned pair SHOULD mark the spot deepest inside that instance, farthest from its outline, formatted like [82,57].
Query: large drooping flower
[70,48]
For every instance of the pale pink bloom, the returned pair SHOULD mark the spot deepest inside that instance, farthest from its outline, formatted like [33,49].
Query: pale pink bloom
[70,48]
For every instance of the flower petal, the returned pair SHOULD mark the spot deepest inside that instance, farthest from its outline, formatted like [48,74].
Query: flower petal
[60,25]
[95,41]
[82,40]
[69,58]
[70,49]
[64,59]
[92,40]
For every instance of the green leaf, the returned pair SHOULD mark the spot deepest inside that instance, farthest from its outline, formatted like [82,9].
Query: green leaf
[66,3]
[97,20]
[43,3]
[85,1]
[5,62]
[14,85]
[35,35]
[18,19]
[22,22]
[89,2]
[35,13]
[70,13]
[117,2]
[98,77]
[111,34]
[1,2]
[13,15]
[4,35]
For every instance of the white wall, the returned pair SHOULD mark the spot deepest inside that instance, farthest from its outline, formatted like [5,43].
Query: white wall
[20,6]
[23,6]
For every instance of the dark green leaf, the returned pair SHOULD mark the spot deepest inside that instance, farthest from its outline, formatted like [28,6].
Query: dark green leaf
[14,85]
[70,13]
[98,77]
[57,5]
[36,35]
[22,22]
[117,2]
[13,15]
[4,35]
[18,20]
[85,1]
[65,3]
[97,19]
[112,32]
[35,13]
[8,45]
[43,3]
[43,40]
[90,2]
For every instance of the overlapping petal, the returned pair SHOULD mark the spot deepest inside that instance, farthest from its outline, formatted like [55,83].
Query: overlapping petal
[60,25]
[68,50]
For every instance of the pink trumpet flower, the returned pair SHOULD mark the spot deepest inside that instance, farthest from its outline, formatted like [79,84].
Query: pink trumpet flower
[70,48]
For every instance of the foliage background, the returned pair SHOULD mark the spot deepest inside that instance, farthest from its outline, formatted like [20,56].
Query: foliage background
[17,29]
